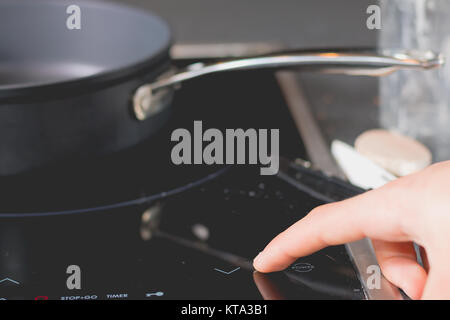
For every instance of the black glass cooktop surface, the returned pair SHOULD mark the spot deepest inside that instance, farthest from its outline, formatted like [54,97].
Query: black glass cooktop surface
[139,227]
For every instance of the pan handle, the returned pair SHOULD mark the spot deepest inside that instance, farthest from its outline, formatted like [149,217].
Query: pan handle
[148,98]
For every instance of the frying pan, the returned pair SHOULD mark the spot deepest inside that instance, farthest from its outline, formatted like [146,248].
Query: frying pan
[81,93]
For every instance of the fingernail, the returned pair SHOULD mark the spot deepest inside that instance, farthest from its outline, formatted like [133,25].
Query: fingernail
[258,259]
[257,256]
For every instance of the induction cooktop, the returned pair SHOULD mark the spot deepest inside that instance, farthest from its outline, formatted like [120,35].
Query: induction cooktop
[136,226]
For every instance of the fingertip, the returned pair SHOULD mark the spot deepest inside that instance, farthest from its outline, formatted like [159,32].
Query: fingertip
[270,260]
[407,275]
[414,288]
[261,263]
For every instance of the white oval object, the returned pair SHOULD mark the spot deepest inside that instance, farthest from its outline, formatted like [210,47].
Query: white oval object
[397,153]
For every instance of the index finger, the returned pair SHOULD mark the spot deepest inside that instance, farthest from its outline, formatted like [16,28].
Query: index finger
[375,214]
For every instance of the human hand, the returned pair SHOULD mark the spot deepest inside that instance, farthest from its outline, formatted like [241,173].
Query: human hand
[415,208]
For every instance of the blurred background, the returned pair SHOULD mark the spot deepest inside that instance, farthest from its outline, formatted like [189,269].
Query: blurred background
[291,22]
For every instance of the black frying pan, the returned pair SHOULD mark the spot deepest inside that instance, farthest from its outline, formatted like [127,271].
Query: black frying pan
[66,93]
[70,94]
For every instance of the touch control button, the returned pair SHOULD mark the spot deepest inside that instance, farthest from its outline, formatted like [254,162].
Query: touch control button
[86,297]
[117,296]
[227,272]
[9,281]
[302,267]
[157,294]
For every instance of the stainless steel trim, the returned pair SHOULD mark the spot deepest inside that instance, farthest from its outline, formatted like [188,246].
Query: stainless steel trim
[372,64]
[332,61]
[145,105]
[361,252]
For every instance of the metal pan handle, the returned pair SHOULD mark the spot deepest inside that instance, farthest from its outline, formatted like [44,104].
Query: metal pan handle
[147,99]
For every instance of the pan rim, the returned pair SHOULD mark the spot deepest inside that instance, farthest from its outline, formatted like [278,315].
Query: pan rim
[50,90]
